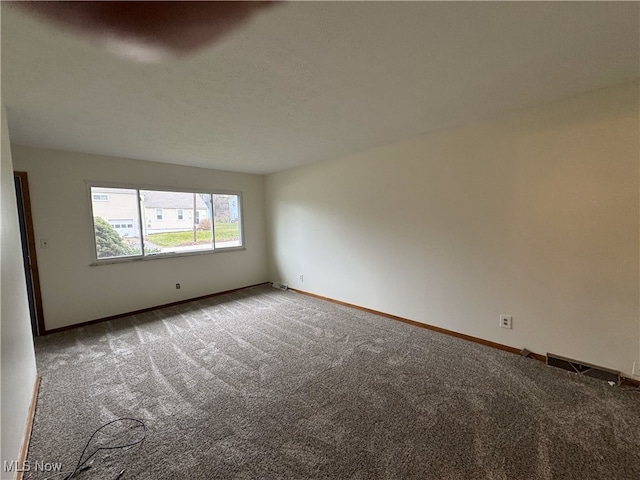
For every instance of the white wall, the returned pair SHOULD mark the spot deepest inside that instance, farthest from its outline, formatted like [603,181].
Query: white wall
[73,291]
[534,214]
[18,358]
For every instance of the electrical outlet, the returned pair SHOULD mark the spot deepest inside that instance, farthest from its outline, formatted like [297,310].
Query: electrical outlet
[177,286]
[506,321]
[301,277]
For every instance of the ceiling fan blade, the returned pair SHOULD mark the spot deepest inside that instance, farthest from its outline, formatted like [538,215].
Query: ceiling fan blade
[157,28]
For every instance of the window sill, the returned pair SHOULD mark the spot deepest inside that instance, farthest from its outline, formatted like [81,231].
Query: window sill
[111,261]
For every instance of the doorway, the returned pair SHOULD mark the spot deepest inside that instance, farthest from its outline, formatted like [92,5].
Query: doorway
[30,260]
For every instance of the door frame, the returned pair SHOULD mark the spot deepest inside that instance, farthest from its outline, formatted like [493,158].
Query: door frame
[24,204]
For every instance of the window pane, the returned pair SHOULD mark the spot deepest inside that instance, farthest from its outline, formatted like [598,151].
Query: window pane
[115,222]
[226,210]
[164,232]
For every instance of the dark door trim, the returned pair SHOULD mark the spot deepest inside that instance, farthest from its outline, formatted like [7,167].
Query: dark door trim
[31,260]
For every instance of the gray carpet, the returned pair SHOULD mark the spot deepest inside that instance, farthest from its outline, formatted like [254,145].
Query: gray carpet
[262,383]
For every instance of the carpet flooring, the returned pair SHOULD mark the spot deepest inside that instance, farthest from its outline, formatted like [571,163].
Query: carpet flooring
[262,383]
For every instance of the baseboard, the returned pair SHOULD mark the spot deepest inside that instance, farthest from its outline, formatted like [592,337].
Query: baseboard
[145,310]
[626,381]
[426,326]
[24,448]
[542,358]
[629,382]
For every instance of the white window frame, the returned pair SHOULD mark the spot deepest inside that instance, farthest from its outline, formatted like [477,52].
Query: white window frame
[146,257]
[180,214]
[160,215]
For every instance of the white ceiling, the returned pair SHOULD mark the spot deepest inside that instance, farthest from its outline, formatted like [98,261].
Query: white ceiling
[304,82]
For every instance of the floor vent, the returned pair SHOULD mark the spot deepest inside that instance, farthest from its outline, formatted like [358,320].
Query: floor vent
[280,286]
[582,368]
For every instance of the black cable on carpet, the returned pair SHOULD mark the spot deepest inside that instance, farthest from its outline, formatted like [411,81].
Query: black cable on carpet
[112,435]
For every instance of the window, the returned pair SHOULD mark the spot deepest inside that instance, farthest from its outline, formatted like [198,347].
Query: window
[138,223]
[111,239]
[226,220]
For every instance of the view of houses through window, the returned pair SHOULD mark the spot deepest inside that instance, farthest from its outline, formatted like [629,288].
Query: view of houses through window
[132,222]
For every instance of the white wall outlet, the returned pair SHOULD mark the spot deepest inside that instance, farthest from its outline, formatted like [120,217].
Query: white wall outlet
[506,321]
[301,276]
[44,243]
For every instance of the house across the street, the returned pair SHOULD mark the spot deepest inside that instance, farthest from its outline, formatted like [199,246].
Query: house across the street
[161,211]
[171,211]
